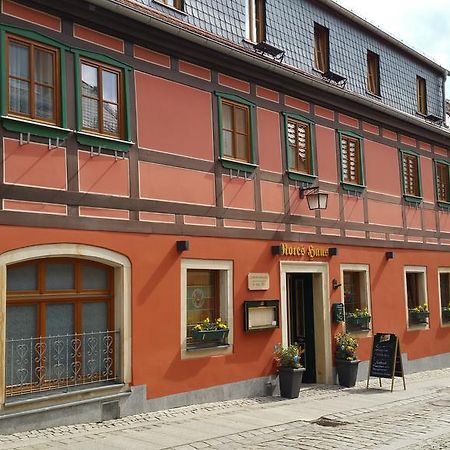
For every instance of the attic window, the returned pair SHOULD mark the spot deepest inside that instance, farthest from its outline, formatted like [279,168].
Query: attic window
[177,4]
[421,91]
[256,20]
[321,48]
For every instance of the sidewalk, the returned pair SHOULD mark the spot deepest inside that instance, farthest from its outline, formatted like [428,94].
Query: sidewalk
[212,424]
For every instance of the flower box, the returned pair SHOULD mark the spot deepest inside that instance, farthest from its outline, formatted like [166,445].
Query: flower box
[445,314]
[358,323]
[210,335]
[418,316]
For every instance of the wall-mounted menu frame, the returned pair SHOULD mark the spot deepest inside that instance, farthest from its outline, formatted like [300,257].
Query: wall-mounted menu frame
[261,314]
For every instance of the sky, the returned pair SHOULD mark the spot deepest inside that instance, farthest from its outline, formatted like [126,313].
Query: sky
[422,25]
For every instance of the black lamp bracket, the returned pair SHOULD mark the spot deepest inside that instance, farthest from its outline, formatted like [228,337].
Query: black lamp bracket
[303,190]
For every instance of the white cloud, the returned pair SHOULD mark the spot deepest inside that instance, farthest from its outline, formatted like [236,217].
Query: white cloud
[424,26]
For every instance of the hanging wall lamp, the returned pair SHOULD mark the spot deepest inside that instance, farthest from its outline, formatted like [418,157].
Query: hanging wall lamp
[315,198]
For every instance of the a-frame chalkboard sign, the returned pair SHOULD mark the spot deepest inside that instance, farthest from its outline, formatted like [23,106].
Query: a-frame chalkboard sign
[386,360]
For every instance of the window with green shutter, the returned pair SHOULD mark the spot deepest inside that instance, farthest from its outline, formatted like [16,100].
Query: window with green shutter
[300,147]
[442,182]
[352,164]
[412,190]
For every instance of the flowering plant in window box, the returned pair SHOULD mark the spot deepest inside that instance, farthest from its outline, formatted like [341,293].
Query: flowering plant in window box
[359,319]
[419,314]
[446,313]
[208,331]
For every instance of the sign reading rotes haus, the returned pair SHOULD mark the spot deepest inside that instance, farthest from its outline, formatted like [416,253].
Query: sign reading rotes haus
[302,250]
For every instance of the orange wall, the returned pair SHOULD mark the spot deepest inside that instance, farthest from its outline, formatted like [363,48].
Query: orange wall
[156,302]
[382,168]
[173,118]
[31,164]
[103,174]
[269,140]
[162,182]
[326,153]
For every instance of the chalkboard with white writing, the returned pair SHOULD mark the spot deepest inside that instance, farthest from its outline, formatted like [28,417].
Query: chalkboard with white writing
[386,360]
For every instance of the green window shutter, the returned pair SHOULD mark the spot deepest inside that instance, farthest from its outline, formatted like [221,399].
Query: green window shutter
[351,154]
[299,136]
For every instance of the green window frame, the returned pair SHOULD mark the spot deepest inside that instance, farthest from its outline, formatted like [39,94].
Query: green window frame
[442,182]
[236,103]
[351,153]
[95,138]
[56,128]
[299,133]
[411,179]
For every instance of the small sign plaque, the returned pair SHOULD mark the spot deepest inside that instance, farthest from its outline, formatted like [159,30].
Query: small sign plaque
[258,281]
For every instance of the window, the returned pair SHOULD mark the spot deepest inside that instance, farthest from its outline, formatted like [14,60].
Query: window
[352,175]
[177,4]
[442,182]
[444,294]
[236,132]
[59,319]
[421,92]
[356,297]
[373,73]
[411,176]
[256,20]
[33,80]
[299,147]
[321,48]
[206,294]
[101,105]
[416,295]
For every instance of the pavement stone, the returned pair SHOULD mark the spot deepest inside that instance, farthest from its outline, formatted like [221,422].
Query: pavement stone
[363,419]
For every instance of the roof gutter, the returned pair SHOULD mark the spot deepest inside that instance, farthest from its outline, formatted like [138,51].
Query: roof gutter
[145,16]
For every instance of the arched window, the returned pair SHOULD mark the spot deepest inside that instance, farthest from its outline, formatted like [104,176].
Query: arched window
[59,324]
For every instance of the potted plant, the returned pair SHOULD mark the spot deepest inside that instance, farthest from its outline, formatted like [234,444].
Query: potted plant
[208,331]
[446,313]
[346,360]
[419,314]
[289,369]
[359,319]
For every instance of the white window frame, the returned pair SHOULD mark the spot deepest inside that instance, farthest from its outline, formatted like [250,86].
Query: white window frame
[423,271]
[442,270]
[364,294]
[226,304]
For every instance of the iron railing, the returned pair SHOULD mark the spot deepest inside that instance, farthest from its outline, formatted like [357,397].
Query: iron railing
[55,362]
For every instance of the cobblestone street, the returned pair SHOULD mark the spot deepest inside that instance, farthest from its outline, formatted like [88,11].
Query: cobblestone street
[324,417]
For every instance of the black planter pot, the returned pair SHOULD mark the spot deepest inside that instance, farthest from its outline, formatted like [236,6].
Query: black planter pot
[347,372]
[290,381]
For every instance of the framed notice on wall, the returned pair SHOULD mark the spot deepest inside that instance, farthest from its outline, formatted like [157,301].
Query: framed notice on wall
[261,314]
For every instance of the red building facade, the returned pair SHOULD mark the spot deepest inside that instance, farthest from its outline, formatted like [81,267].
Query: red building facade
[152,172]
